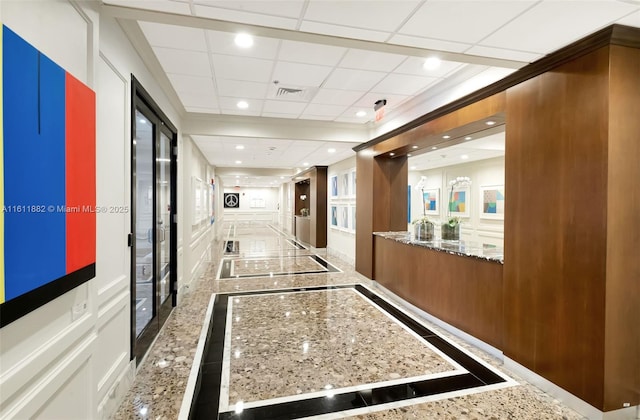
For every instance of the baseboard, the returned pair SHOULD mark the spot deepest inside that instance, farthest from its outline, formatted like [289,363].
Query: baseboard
[115,395]
[350,260]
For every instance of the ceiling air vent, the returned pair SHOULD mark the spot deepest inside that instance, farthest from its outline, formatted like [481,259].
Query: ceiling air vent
[284,91]
[291,93]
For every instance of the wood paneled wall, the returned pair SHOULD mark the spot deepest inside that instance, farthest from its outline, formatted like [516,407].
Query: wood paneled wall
[622,315]
[316,201]
[465,292]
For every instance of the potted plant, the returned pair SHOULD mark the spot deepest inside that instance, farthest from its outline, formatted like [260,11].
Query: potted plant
[451,229]
[423,229]
[304,212]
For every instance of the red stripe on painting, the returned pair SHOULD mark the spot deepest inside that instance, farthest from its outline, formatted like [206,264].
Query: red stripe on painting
[80,174]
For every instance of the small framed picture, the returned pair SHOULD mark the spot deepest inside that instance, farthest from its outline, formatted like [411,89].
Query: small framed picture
[431,201]
[334,186]
[492,202]
[334,216]
[458,201]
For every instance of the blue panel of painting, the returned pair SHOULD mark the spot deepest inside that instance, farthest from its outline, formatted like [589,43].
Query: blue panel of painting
[34,167]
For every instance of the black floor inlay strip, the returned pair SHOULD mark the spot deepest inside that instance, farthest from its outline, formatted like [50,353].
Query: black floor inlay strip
[207,397]
[225,273]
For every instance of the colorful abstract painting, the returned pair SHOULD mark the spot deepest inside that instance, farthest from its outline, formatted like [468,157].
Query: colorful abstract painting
[492,202]
[48,181]
[459,202]
[431,201]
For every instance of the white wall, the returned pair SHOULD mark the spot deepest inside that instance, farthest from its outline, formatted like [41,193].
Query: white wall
[285,218]
[54,364]
[269,196]
[482,173]
[340,242]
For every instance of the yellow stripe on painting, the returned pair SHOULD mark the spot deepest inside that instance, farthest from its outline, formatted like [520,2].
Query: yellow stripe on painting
[1,178]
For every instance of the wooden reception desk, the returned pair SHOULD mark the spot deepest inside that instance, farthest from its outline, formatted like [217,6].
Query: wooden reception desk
[456,281]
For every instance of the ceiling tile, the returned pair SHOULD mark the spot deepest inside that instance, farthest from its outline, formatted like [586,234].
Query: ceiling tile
[242,68]
[504,54]
[242,89]
[305,52]
[192,84]
[300,74]
[342,31]
[244,17]
[382,15]
[336,97]
[350,115]
[414,66]
[172,36]
[224,43]
[324,110]
[283,107]
[462,21]
[287,8]
[403,84]
[556,24]
[231,104]
[371,60]
[159,5]
[198,101]
[349,79]
[631,20]
[317,117]
[278,115]
[183,62]
[428,43]
[202,110]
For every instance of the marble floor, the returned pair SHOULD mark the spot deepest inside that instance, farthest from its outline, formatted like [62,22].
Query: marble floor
[291,332]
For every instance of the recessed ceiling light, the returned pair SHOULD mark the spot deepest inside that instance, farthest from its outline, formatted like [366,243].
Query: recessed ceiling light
[464,157]
[305,164]
[238,162]
[142,121]
[446,137]
[431,63]
[239,147]
[409,155]
[434,148]
[332,150]
[281,177]
[392,154]
[413,168]
[361,113]
[243,105]
[490,122]
[468,138]
[244,40]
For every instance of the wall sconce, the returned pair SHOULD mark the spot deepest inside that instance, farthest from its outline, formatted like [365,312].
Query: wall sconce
[303,197]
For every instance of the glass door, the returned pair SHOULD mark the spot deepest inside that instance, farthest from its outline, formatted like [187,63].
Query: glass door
[153,186]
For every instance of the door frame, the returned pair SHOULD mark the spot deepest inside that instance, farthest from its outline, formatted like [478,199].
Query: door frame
[140,99]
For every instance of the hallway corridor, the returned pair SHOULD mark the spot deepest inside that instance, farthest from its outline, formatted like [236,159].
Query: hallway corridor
[292,332]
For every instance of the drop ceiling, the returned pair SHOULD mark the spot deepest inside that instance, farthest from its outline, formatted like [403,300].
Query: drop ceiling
[324,61]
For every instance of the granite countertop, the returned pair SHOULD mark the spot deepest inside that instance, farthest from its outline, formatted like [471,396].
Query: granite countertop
[487,252]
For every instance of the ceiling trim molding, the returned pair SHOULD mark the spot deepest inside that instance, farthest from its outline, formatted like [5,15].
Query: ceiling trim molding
[130,13]
[613,34]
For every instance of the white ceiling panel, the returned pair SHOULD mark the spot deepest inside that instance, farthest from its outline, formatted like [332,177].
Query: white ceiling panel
[324,110]
[350,116]
[192,84]
[414,66]
[283,107]
[244,89]
[183,62]
[159,5]
[242,68]
[300,74]
[304,52]
[349,79]
[287,8]
[371,60]
[631,20]
[381,15]
[244,17]
[337,97]
[278,115]
[504,53]
[202,110]
[343,31]
[198,101]
[428,43]
[556,24]
[172,36]
[224,43]
[404,84]
[462,21]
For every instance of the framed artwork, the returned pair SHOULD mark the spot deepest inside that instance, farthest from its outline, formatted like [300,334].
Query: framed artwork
[334,216]
[492,202]
[344,188]
[352,183]
[352,218]
[459,199]
[344,217]
[431,201]
[334,186]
